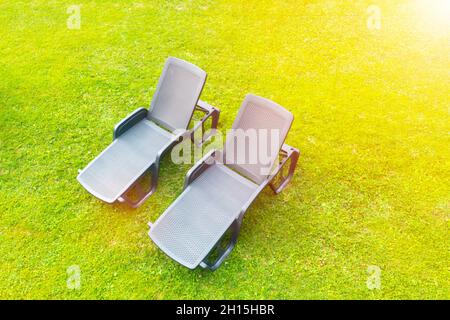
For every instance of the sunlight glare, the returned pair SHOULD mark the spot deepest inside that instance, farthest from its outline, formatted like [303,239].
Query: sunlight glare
[435,14]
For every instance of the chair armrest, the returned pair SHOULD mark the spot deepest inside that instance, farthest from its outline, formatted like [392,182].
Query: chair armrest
[199,168]
[287,153]
[133,118]
[205,106]
[225,252]
[209,112]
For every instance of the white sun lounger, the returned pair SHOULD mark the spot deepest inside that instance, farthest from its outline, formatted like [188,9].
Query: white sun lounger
[140,140]
[217,193]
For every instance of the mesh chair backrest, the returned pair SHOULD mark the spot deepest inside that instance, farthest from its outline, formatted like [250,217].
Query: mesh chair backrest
[177,94]
[259,131]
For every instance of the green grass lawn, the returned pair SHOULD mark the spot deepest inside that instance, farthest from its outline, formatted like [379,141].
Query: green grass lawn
[371,120]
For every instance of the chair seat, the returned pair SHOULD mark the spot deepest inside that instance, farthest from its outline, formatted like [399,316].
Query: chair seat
[110,174]
[192,225]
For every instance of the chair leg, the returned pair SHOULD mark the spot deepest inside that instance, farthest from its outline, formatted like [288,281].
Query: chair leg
[142,193]
[225,252]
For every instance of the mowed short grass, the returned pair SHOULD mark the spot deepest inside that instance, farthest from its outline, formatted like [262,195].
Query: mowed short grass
[371,120]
